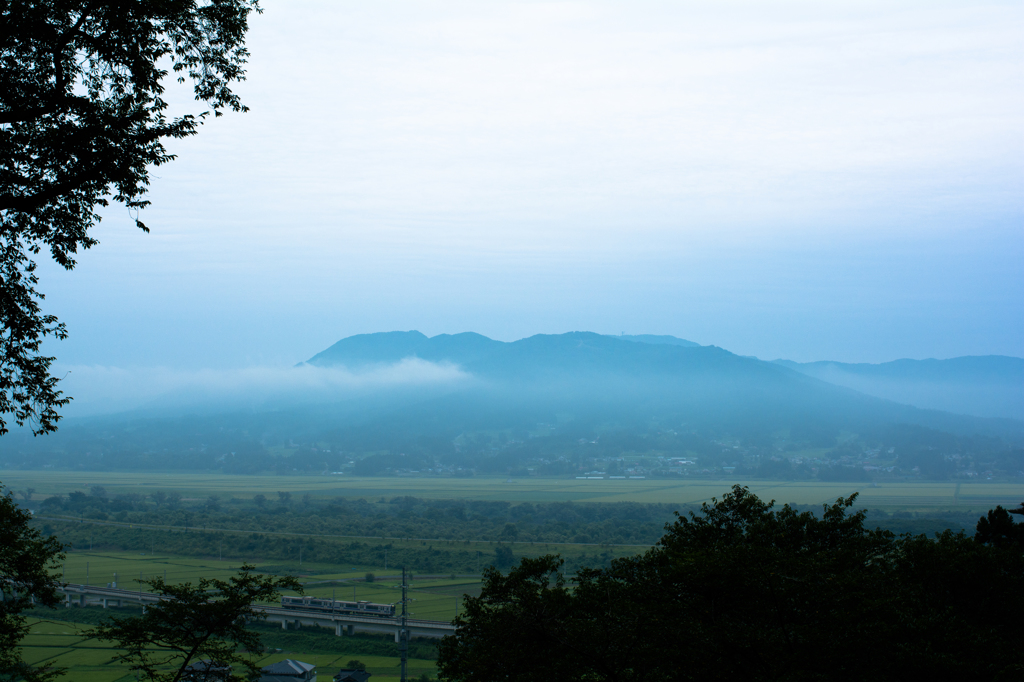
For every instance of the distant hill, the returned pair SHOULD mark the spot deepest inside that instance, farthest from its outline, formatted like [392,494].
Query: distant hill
[389,347]
[562,404]
[463,349]
[984,386]
[656,339]
[582,373]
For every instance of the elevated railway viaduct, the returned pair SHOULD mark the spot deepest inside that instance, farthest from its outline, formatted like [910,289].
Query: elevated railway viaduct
[83,595]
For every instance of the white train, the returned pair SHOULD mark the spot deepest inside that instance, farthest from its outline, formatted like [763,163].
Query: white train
[359,608]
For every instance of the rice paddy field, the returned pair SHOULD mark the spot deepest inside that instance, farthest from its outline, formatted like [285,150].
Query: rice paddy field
[434,597]
[66,644]
[63,643]
[910,495]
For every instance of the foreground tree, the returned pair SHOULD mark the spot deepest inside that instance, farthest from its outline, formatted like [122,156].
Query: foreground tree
[201,624]
[741,591]
[998,528]
[26,561]
[82,120]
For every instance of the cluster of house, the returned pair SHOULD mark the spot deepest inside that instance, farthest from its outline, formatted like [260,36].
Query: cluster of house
[288,670]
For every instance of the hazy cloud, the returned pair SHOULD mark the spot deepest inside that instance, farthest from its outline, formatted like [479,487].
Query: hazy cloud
[100,389]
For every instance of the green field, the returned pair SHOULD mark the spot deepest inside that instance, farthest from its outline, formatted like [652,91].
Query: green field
[65,644]
[433,597]
[61,643]
[904,495]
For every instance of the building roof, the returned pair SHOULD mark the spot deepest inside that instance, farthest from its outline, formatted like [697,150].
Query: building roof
[206,671]
[350,675]
[288,667]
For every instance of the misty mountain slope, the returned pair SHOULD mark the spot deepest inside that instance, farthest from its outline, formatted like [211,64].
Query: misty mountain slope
[657,339]
[573,355]
[578,355]
[547,396]
[597,378]
[983,386]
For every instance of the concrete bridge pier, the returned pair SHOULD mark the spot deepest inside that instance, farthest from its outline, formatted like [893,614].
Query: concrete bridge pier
[351,629]
[338,629]
[104,602]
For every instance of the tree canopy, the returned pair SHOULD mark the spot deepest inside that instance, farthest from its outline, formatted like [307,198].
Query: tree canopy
[82,120]
[741,590]
[26,561]
[200,624]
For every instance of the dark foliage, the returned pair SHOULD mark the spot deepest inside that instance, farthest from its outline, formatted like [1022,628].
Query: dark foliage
[740,591]
[997,528]
[82,120]
[195,622]
[450,536]
[26,559]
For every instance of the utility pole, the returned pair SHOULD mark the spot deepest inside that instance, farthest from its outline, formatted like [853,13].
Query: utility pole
[403,633]
[86,573]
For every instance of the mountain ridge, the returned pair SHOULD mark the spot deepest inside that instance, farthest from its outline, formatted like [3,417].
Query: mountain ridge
[682,375]
[550,401]
[984,386]
[461,347]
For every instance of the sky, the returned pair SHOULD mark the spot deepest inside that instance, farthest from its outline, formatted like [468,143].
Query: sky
[804,180]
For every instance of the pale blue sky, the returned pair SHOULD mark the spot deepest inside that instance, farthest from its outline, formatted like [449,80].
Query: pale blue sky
[802,180]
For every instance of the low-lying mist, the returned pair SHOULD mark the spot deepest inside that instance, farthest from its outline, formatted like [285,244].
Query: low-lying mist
[561,405]
[100,390]
[989,386]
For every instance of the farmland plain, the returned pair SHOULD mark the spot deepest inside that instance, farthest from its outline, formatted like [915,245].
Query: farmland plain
[62,643]
[139,556]
[66,644]
[911,495]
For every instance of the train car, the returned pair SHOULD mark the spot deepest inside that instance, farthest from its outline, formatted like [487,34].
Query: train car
[357,608]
